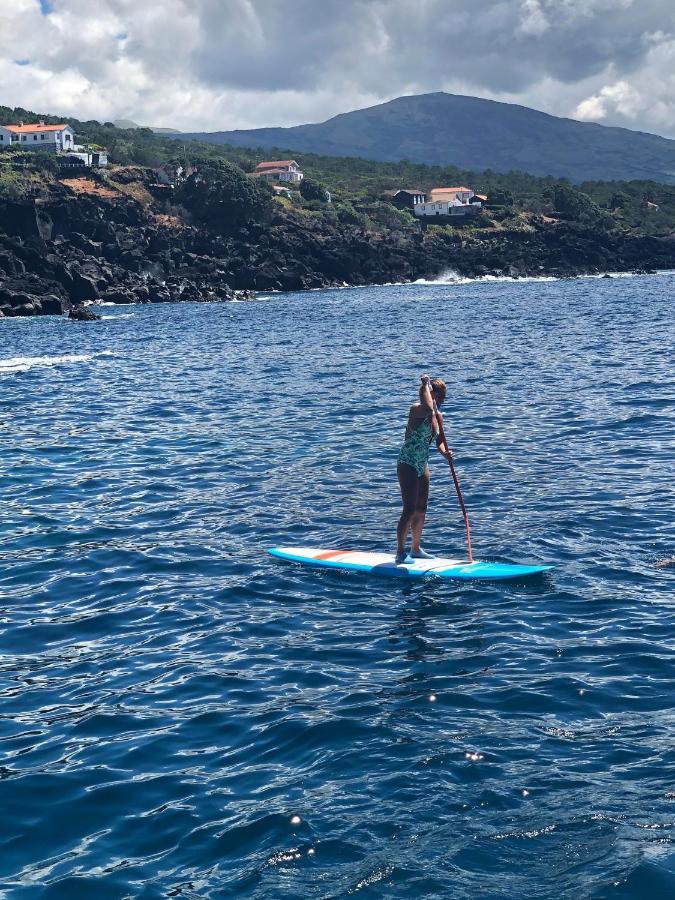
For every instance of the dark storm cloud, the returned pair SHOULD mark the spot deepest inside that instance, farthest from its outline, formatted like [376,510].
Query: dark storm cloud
[389,45]
[263,44]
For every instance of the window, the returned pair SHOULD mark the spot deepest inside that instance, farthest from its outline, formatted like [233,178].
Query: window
[42,137]
[23,137]
[35,137]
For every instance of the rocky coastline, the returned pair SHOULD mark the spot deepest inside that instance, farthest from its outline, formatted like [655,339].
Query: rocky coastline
[69,250]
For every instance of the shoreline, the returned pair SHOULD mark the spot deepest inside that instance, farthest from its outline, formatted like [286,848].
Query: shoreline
[460,282]
[441,281]
[66,254]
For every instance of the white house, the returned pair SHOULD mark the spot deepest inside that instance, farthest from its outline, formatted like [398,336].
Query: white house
[451,194]
[279,170]
[97,159]
[452,201]
[53,138]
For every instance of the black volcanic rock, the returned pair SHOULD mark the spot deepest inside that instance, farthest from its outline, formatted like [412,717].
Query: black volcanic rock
[118,295]
[102,248]
[83,288]
[82,314]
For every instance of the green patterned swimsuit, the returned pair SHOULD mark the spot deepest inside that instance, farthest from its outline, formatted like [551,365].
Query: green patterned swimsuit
[415,449]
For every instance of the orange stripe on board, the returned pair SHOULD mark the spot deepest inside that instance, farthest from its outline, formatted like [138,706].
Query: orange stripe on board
[329,554]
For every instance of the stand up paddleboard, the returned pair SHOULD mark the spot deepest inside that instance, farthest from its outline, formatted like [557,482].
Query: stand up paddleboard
[383,564]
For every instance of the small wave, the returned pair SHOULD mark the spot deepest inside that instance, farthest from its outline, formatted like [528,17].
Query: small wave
[450,276]
[25,363]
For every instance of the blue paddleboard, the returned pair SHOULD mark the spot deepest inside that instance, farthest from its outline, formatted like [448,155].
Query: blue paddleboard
[383,564]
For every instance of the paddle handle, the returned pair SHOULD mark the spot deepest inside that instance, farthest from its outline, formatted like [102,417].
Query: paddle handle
[441,432]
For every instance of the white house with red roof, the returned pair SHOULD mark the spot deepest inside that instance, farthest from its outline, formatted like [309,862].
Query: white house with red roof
[279,170]
[53,138]
[449,201]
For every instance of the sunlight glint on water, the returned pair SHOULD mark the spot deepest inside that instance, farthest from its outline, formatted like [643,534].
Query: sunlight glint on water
[183,716]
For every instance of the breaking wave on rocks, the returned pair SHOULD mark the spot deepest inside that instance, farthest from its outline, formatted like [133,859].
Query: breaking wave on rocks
[450,276]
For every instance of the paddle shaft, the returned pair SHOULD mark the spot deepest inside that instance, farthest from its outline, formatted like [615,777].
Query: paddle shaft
[441,432]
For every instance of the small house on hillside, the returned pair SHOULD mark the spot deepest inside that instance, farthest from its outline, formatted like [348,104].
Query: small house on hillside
[279,170]
[59,139]
[53,138]
[451,194]
[80,156]
[447,202]
[406,198]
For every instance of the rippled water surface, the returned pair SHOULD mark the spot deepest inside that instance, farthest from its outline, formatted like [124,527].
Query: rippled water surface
[171,699]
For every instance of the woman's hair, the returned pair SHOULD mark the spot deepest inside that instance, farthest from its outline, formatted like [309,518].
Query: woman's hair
[438,385]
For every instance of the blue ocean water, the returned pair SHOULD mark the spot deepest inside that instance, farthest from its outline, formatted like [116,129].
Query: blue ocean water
[182,716]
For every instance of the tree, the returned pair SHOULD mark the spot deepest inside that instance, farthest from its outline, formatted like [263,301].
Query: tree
[221,195]
[619,200]
[500,197]
[43,161]
[578,206]
[313,190]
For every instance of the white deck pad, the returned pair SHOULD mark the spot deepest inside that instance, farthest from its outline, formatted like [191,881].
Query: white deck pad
[384,564]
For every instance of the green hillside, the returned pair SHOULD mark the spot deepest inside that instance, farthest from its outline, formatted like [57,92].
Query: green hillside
[359,185]
[467,132]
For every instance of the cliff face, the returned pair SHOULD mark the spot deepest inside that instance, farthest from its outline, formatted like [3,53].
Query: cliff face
[67,249]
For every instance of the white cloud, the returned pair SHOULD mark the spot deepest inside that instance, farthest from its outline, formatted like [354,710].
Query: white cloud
[619,98]
[217,64]
[534,21]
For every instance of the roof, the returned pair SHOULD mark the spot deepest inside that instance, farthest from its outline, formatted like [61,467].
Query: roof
[22,129]
[408,191]
[270,171]
[276,164]
[450,190]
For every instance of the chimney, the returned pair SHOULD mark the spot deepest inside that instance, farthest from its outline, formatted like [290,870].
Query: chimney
[41,122]
[21,124]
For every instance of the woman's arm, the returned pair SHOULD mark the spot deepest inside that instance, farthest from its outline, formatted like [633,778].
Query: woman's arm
[441,444]
[426,399]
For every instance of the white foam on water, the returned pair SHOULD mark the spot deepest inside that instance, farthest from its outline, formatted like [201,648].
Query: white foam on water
[451,277]
[25,363]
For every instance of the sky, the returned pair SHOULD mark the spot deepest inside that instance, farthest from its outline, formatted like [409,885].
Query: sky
[208,65]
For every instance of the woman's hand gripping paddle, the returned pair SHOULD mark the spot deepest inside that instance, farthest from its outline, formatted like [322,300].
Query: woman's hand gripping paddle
[443,438]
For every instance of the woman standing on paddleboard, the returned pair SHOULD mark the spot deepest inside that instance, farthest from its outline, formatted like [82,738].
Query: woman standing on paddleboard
[424,425]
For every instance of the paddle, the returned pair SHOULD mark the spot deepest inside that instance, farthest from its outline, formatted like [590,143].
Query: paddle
[441,432]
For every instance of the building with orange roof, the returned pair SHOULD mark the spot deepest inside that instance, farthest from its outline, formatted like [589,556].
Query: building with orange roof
[463,194]
[448,202]
[52,138]
[279,170]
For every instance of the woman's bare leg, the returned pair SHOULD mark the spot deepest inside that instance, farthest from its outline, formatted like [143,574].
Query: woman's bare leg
[420,513]
[409,484]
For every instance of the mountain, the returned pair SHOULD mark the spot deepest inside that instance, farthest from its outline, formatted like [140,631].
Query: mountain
[127,123]
[470,133]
